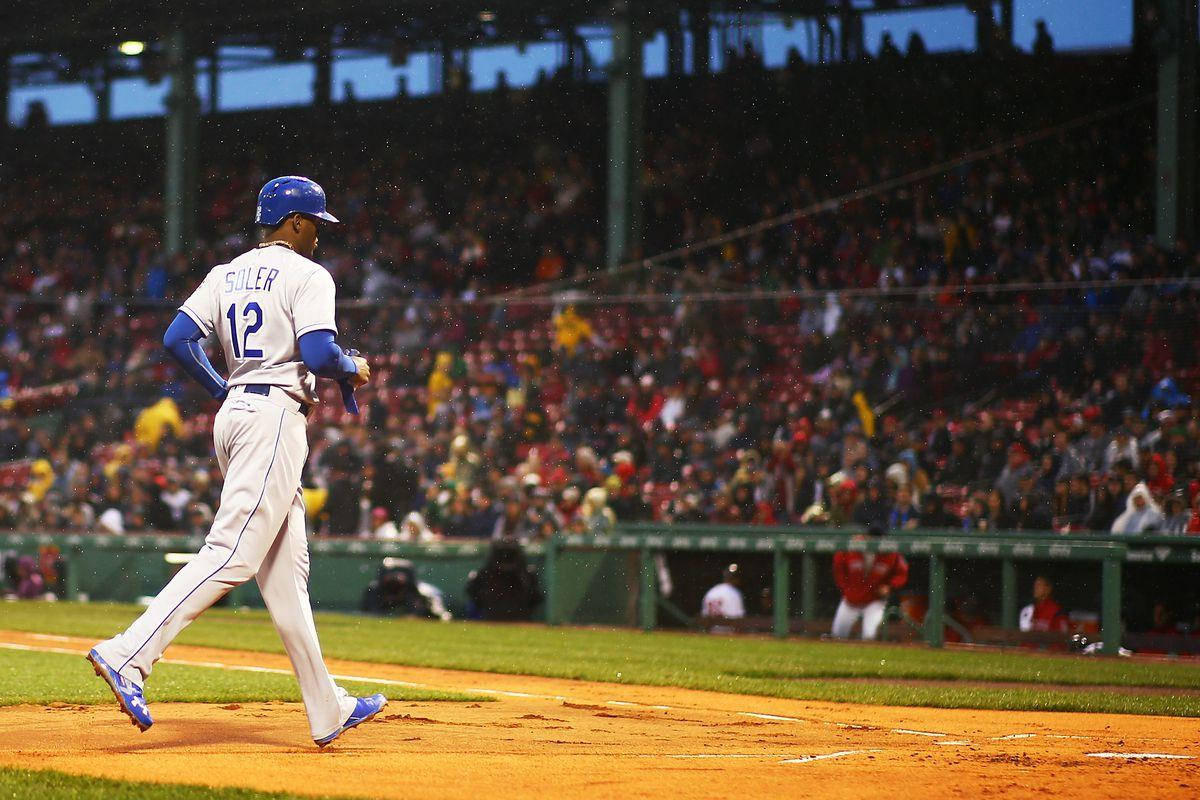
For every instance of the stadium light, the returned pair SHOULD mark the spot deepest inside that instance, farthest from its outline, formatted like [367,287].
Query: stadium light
[131,48]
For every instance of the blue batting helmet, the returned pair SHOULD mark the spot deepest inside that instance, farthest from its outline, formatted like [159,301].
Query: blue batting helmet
[291,194]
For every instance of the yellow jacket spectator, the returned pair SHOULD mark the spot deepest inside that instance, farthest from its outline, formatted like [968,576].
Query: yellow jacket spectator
[570,329]
[41,478]
[440,382]
[154,421]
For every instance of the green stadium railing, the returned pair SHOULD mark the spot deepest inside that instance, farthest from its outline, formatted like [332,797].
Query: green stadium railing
[785,545]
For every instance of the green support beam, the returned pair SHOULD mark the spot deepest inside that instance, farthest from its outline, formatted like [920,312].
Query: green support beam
[779,597]
[935,617]
[701,41]
[648,596]
[1008,594]
[626,101]
[808,586]
[5,88]
[550,576]
[183,138]
[323,71]
[1110,605]
[1175,43]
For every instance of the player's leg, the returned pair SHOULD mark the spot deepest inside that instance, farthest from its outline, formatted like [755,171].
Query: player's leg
[261,448]
[844,619]
[283,581]
[872,618]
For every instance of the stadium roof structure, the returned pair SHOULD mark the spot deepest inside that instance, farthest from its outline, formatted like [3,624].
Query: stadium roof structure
[41,43]
[37,24]
[70,44]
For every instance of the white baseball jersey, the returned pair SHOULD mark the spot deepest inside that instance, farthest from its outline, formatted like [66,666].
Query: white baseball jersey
[723,600]
[259,305]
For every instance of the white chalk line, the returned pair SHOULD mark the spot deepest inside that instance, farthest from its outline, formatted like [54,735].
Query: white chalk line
[951,742]
[824,756]
[280,671]
[635,705]
[1011,736]
[218,665]
[1139,756]
[772,717]
[918,733]
[720,755]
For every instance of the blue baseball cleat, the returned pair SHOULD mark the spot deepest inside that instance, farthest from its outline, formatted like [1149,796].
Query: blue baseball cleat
[364,709]
[128,696]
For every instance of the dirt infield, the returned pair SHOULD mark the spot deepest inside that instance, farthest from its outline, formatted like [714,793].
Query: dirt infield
[572,739]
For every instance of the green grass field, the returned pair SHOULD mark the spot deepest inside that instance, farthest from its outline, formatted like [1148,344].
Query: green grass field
[24,783]
[797,669]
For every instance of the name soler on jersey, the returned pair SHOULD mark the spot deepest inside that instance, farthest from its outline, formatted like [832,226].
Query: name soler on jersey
[250,279]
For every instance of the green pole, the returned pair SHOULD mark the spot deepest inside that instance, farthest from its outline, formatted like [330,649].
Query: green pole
[72,558]
[808,586]
[1110,613]
[1175,46]
[1008,594]
[182,145]
[626,87]
[782,588]
[550,569]
[648,599]
[935,633]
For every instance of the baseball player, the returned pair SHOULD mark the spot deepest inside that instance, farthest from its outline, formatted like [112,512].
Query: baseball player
[867,580]
[272,309]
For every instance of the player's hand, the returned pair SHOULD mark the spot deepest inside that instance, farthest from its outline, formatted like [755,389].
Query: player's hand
[363,376]
[883,590]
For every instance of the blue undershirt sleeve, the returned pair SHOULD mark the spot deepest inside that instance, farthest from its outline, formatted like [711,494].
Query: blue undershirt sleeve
[182,341]
[322,355]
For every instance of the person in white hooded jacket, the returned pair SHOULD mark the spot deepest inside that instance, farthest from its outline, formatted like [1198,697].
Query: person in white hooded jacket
[1141,513]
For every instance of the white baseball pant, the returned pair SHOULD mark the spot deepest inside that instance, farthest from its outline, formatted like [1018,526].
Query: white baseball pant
[847,615]
[258,532]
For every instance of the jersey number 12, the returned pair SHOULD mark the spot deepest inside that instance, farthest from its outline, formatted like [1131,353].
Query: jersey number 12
[244,351]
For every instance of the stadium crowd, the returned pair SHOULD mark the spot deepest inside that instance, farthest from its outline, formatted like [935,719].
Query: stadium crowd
[920,366]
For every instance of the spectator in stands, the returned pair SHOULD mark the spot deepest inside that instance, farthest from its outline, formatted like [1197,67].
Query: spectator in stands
[723,601]
[1043,42]
[1109,504]
[1044,613]
[888,52]
[1017,467]
[1141,513]
[866,581]
[1176,514]
[381,526]
[904,514]
[936,515]
[874,509]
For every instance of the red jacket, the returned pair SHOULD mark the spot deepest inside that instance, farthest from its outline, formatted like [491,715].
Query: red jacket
[858,584]
[1048,616]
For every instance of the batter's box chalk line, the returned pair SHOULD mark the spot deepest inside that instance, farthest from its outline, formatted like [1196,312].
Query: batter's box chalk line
[1139,756]
[824,756]
[772,717]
